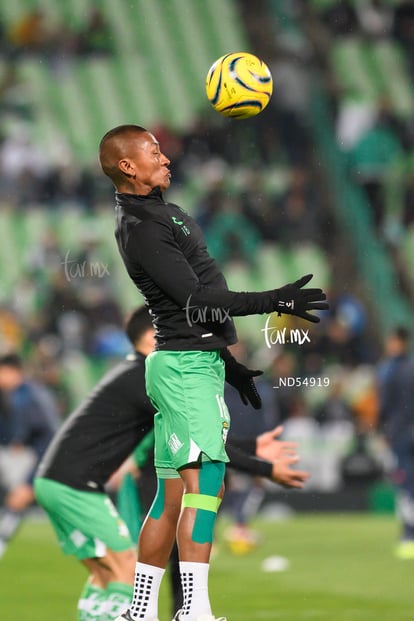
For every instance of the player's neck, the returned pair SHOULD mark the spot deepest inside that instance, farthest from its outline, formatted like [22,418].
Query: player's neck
[134,187]
[144,350]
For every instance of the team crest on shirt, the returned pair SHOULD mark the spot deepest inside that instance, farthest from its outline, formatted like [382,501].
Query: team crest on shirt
[181,224]
[225,416]
[225,431]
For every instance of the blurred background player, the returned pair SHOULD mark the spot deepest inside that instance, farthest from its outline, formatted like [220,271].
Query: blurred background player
[70,483]
[90,446]
[28,419]
[245,493]
[396,384]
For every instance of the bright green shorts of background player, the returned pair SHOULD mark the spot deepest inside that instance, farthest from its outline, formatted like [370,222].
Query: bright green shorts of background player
[86,523]
[187,387]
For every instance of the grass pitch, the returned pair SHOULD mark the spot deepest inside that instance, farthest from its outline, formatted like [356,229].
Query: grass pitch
[341,568]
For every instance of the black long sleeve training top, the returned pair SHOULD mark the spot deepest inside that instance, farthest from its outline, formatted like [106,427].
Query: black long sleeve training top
[166,257]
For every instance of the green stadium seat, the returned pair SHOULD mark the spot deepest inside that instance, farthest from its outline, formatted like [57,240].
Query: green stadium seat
[79,376]
[274,266]
[352,69]
[396,82]
[156,74]
[309,259]
[408,249]
[9,247]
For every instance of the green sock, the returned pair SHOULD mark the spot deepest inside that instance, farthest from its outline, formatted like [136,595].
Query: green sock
[118,596]
[90,603]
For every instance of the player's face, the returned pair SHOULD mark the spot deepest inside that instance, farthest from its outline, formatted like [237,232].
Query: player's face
[149,339]
[146,343]
[393,346]
[10,378]
[151,166]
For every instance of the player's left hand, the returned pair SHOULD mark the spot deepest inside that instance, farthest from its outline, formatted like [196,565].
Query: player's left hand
[268,447]
[241,378]
[128,467]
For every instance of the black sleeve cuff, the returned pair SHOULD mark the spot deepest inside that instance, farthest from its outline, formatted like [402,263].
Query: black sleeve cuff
[240,460]
[248,445]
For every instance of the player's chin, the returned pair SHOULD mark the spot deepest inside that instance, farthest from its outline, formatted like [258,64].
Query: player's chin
[165,183]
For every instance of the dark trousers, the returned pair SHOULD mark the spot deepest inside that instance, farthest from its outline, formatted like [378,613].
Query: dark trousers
[403,449]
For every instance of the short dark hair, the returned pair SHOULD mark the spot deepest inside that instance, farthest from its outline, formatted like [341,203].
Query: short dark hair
[137,323]
[110,149]
[119,130]
[402,333]
[11,360]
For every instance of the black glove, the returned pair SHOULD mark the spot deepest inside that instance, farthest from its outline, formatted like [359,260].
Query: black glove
[293,300]
[241,378]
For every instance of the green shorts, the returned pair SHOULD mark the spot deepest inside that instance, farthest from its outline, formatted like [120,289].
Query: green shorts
[186,387]
[86,523]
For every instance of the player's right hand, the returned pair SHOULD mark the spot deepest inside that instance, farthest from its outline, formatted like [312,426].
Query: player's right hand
[285,475]
[292,299]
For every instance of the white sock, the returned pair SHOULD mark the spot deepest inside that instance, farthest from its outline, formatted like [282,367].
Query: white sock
[194,580]
[145,598]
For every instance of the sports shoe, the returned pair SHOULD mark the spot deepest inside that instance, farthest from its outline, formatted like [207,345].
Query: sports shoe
[126,616]
[178,617]
[241,539]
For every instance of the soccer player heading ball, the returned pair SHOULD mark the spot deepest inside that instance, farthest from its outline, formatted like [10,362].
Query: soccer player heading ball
[166,257]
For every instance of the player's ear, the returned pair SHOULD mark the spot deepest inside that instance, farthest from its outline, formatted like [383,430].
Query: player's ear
[127,167]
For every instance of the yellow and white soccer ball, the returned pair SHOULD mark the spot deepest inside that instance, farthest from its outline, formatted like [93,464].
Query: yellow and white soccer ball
[239,85]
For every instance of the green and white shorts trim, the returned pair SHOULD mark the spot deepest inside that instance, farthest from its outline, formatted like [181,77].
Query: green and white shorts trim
[186,387]
[86,523]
